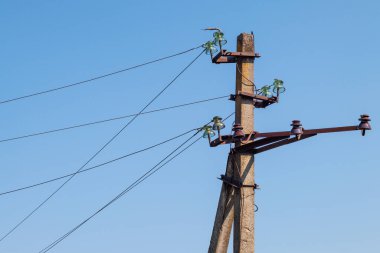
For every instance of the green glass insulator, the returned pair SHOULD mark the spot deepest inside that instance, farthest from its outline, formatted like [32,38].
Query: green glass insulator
[210,47]
[278,85]
[219,38]
[218,124]
[266,91]
[208,132]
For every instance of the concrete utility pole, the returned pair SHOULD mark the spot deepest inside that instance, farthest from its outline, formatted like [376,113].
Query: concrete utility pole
[224,215]
[237,203]
[244,197]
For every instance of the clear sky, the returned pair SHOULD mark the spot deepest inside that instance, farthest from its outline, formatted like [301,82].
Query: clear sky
[319,195]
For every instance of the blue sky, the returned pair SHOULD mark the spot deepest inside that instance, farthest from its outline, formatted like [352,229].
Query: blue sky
[318,195]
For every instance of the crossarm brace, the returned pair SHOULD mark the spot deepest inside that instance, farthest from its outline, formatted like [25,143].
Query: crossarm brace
[281,143]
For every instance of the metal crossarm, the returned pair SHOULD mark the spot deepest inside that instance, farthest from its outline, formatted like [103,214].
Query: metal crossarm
[257,139]
[231,57]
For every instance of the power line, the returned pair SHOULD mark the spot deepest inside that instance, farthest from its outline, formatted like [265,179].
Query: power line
[98,165]
[130,187]
[107,120]
[141,179]
[95,78]
[103,147]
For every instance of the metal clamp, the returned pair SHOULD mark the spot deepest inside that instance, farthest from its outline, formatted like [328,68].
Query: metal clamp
[258,100]
[237,183]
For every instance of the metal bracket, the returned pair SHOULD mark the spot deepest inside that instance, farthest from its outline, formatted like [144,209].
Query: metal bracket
[274,144]
[232,57]
[236,183]
[258,100]
[247,148]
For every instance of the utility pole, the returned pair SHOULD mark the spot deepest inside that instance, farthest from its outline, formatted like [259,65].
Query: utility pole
[244,197]
[224,215]
[236,203]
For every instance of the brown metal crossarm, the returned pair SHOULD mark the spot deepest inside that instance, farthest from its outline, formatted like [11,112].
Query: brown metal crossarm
[260,142]
[231,57]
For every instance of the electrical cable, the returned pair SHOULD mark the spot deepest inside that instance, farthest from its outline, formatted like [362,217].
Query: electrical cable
[96,78]
[107,120]
[257,91]
[96,166]
[249,80]
[145,176]
[102,148]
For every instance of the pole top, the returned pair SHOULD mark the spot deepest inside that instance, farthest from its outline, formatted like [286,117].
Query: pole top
[245,42]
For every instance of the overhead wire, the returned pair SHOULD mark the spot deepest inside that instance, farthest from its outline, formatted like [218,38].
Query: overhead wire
[141,179]
[249,80]
[108,120]
[96,77]
[102,148]
[256,90]
[98,165]
[130,187]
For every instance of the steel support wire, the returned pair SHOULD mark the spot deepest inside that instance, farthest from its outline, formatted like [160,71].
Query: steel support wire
[102,148]
[149,173]
[98,165]
[141,179]
[110,119]
[95,78]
